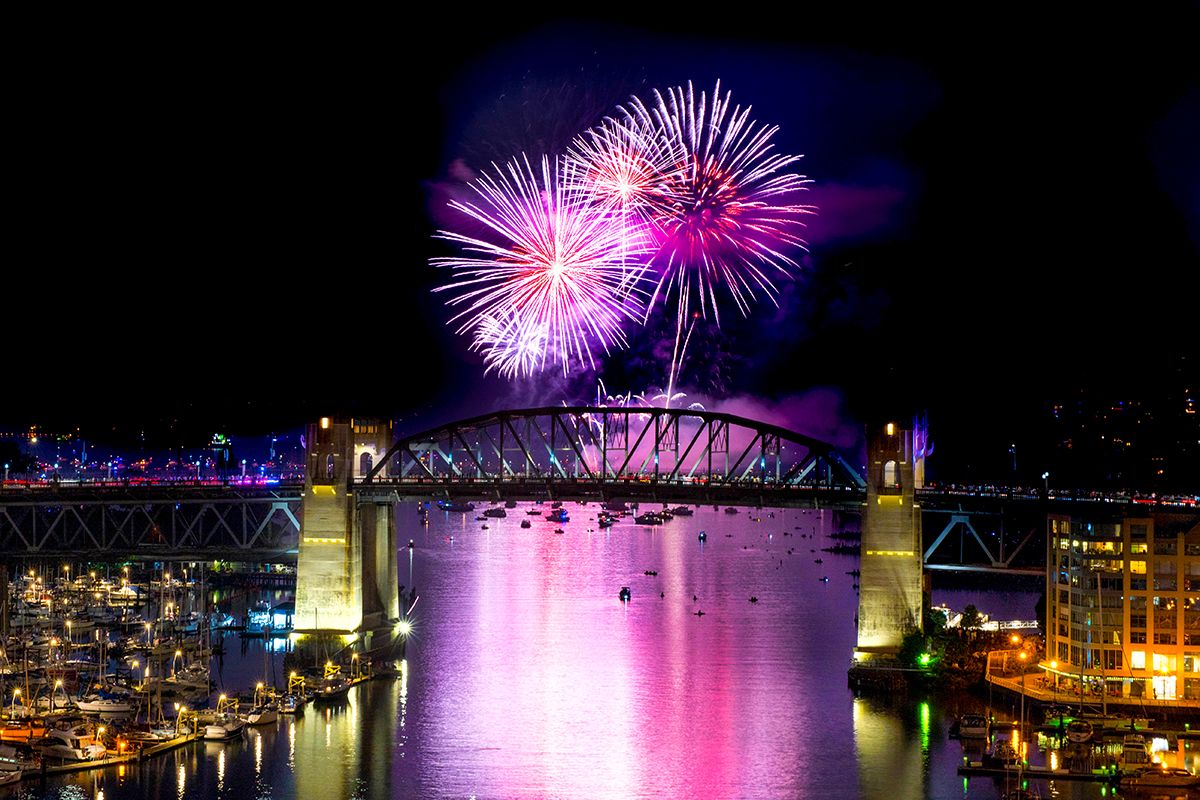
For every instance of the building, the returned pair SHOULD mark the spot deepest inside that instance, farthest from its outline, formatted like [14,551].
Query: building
[1122,606]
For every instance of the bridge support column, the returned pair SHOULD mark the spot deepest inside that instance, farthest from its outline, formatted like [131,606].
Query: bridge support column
[346,571]
[890,583]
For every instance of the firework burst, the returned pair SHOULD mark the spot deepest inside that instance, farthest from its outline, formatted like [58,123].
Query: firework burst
[555,283]
[732,216]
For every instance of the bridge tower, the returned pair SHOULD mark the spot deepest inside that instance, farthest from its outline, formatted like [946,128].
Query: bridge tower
[347,573]
[890,583]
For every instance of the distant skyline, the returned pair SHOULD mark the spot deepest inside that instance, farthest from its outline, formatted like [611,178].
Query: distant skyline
[1008,219]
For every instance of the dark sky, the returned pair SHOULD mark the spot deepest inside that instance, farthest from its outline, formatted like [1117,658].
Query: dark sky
[230,225]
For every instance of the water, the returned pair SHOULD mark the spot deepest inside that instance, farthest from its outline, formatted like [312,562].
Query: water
[526,677]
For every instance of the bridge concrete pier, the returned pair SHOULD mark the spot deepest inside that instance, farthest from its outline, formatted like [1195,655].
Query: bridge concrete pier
[346,579]
[891,591]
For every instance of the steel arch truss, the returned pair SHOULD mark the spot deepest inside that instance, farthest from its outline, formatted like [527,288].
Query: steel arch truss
[224,522]
[606,445]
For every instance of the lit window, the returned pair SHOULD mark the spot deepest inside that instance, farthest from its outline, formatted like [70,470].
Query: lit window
[1139,547]
[1137,567]
[1163,663]
[1137,659]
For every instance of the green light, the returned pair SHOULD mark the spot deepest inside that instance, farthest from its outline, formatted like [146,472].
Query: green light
[924,659]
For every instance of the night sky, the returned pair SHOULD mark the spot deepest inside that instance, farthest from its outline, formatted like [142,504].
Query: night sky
[229,228]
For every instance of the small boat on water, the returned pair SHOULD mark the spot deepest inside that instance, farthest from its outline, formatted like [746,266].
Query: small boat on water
[1079,731]
[730,510]
[649,518]
[453,505]
[970,726]
[558,515]
[1160,778]
[292,704]
[625,594]
[1002,754]
[498,513]
[262,715]
[681,511]
[10,775]
[224,728]
[526,523]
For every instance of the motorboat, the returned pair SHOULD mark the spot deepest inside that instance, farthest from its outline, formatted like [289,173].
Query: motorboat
[558,515]
[23,729]
[526,523]
[333,690]
[606,521]
[1161,778]
[1135,753]
[971,726]
[730,510]
[1079,731]
[10,775]
[292,704]
[75,744]
[452,505]
[625,594]
[1002,754]
[649,518]
[681,511]
[224,727]
[498,513]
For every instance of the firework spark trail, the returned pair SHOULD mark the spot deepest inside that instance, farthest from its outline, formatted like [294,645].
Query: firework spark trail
[561,268]
[731,219]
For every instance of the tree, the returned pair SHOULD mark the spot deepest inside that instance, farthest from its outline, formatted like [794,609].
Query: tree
[971,618]
[913,652]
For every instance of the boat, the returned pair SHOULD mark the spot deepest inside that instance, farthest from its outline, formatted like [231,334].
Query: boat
[10,775]
[1079,731]
[558,515]
[224,727]
[533,512]
[625,594]
[498,513]
[23,729]
[292,704]
[649,518]
[605,521]
[262,715]
[1161,778]
[1002,754]
[970,726]
[451,505]
[334,687]
[76,744]
[730,510]
[104,703]
[510,503]
[526,523]
[703,536]
[1135,753]
[681,511]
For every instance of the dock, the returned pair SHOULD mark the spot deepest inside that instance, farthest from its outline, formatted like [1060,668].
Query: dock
[108,761]
[977,769]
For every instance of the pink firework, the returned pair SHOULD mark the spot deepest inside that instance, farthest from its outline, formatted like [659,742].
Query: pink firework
[553,280]
[733,217]
[629,164]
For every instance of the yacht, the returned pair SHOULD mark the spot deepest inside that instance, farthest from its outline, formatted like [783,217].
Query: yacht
[1135,753]
[1160,778]
[498,513]
[75,744]
[971,726]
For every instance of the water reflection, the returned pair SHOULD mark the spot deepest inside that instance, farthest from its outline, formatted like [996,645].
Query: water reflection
[528,677]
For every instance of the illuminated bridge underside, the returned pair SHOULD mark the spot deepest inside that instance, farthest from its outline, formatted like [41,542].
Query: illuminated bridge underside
[146,521]
[618,452]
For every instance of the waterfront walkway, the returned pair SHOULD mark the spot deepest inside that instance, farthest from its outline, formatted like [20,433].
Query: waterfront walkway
[1034,689]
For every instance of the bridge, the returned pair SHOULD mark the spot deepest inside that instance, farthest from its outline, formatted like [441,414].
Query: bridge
[569,453]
